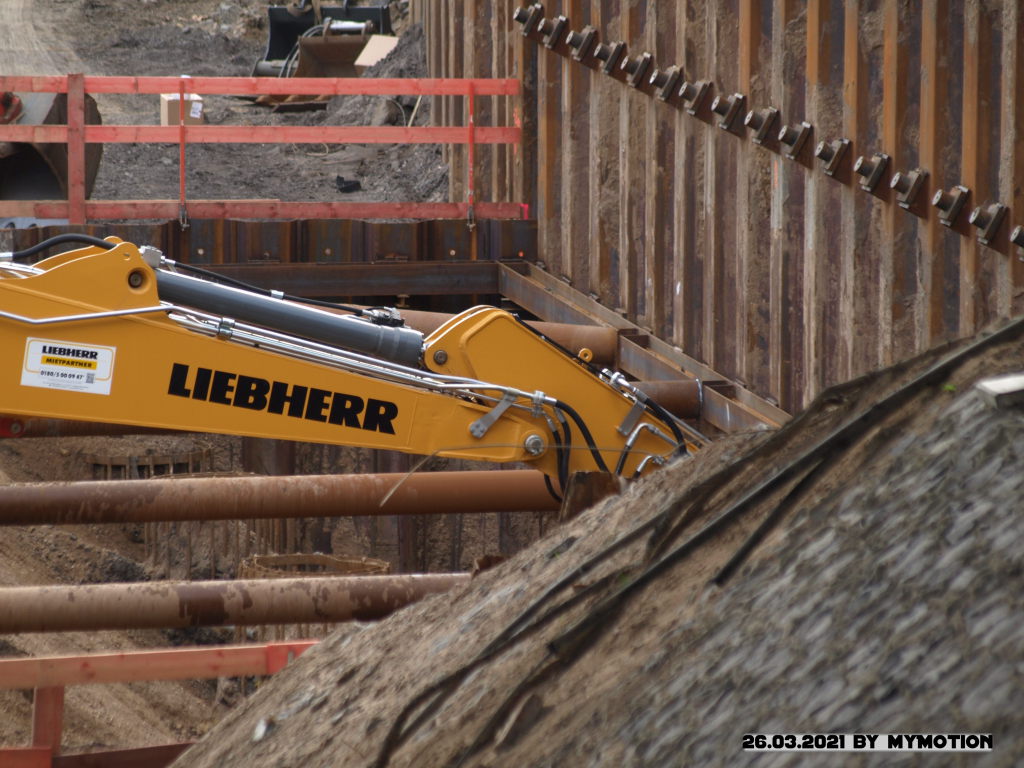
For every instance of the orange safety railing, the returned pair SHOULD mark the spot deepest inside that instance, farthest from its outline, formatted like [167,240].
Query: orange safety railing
[77,209]
[48,676]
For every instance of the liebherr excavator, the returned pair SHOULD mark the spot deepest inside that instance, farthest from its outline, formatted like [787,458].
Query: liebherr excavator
[112,332]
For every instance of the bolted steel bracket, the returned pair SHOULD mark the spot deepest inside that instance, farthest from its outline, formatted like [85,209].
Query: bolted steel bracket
[871,170]
[553,32]
[793,138]
[582,42]
[637,69]
[611,54]
[480,427]
[831,153]
[950,203]
[907,185]
[530,18]
[988,219]
[728,108]
[760,121]
[665,82]
[693,95]
[1017,236]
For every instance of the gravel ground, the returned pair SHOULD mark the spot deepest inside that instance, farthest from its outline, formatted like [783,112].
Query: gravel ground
[888,601]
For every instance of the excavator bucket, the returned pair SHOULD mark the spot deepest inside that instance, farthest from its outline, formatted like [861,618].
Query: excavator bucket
[336,30]
[40,171]
[330,55]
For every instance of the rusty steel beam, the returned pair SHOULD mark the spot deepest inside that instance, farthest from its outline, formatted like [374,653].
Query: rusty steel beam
[252,497]
[545,296]
[332,280]
[177,604]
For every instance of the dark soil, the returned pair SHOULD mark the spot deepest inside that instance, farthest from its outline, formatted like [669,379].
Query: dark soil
[205,38]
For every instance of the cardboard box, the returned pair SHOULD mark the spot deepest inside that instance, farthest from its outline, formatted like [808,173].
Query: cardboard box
[376,48]
[169,109]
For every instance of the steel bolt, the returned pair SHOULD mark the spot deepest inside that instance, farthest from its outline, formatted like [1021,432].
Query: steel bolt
[728,109]
[581,42]
[136,278]
[907,185]
[694,94]
[794,137]
[988,219]
[831,153]
[440,357]
[534,445]
[760,121]
[871,169]
[950,203]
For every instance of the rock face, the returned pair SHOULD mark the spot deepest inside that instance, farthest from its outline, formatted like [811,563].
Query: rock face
[888,600]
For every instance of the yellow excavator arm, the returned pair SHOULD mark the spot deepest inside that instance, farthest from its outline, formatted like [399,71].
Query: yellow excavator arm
[116,333]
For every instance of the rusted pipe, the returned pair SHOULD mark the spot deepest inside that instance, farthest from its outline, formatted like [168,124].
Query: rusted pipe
[250,497]
[680,397]
[173,604]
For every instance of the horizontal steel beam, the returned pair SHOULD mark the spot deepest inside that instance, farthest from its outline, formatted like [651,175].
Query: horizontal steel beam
[178,604]
[551,299]
[258,497]
[331,280]
[102,210]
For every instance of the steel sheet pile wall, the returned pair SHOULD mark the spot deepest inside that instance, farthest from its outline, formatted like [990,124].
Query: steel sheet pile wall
[762,266]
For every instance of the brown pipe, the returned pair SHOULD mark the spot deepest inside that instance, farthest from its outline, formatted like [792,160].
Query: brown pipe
[680,397]
[170,604]
[250,497]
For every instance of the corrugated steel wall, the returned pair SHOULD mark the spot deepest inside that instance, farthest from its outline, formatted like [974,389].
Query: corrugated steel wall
[765,268]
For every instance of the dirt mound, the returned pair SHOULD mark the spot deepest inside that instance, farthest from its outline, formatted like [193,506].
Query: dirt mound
[887,600]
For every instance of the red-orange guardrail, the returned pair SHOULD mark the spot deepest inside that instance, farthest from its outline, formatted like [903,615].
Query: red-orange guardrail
[77,209]
[48,676]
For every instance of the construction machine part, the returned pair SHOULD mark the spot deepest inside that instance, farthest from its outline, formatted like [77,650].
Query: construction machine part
[40,171]
[260,497]
[178,604]
[289,26]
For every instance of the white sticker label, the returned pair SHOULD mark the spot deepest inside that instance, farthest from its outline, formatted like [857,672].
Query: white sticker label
[68,365]
[196,110]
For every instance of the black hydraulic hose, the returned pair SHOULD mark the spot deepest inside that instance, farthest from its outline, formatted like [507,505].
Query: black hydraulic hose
[70,237]
[587,437]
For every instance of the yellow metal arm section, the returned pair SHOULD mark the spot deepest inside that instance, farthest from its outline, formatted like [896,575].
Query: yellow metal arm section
[86,337]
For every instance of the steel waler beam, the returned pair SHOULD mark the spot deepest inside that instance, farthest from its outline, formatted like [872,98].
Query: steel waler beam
[247,498]
[176,604]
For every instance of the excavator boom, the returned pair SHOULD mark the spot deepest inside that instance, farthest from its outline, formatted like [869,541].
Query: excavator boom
[115,333]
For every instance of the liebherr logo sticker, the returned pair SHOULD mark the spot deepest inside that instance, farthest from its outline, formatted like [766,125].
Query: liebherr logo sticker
[69,365]
[278,397]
